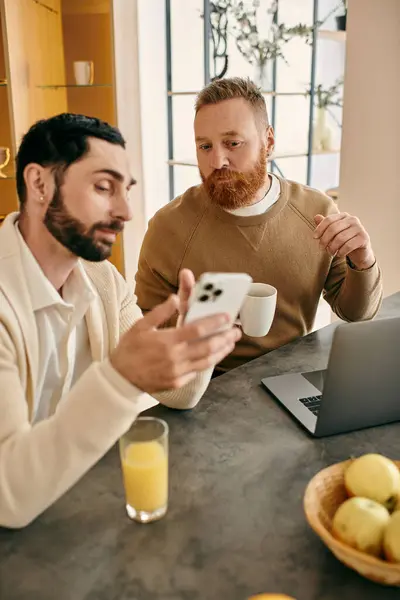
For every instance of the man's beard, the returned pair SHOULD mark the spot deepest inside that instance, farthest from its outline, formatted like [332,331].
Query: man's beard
[74,235]
[234,189]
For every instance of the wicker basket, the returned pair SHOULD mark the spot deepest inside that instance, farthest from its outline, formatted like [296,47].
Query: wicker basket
[323,496]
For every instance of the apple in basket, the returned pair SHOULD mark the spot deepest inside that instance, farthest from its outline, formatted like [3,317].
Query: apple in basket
[361,523]
[375,477]
[391,538]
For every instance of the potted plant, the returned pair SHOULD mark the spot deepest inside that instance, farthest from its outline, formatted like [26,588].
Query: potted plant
[341,19]
[258,37]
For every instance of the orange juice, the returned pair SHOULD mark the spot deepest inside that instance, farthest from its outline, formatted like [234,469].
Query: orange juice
[145,472]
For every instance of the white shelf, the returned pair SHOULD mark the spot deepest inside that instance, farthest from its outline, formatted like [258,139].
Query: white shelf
[333,193]
[335,36]
[182,163]
[303,154]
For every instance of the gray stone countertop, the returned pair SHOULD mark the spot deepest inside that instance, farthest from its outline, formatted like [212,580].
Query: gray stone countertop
[239,466]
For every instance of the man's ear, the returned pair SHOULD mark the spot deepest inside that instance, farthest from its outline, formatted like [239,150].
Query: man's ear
[270,145]
[39,183]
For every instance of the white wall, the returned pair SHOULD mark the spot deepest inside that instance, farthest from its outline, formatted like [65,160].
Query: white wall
[129,119]
[153,94]
[370,173]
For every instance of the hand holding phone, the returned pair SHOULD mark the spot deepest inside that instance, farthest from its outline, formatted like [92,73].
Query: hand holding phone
[216,293]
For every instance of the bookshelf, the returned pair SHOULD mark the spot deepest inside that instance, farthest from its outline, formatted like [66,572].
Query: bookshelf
[8,197]
[39,42]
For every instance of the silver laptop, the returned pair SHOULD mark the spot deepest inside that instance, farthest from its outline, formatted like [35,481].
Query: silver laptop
[360,388]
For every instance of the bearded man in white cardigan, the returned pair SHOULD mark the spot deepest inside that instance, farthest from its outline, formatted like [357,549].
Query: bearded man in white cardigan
[77,359]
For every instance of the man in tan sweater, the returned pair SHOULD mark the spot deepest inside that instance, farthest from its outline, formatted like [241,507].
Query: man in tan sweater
[243,219]
[69,387]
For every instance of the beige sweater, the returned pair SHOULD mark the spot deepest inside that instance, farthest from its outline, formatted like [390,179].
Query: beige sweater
[38,463]
[276,247]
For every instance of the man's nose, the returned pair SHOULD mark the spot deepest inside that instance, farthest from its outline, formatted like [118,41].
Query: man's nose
[122,208]
[218,159]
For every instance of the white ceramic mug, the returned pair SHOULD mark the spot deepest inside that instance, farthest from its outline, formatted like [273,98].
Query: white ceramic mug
[84,72]
[258,309]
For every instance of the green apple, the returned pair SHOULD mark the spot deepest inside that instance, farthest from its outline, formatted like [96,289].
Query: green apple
[391,539]
[361,523]
[376,477]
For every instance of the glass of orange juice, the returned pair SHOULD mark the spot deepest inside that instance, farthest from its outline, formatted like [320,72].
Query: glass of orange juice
[144,458]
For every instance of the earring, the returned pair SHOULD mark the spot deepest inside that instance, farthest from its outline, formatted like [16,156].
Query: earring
[41,198]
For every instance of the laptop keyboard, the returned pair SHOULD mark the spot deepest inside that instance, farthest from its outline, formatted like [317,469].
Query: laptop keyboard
[313,403]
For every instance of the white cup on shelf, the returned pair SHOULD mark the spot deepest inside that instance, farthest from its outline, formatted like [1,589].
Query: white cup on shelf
[84,72]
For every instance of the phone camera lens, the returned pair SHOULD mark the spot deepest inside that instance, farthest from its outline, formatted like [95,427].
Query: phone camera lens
[204,298]
[217,292]
[208,287]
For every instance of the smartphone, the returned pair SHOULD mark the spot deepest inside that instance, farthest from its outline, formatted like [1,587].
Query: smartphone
[216,293]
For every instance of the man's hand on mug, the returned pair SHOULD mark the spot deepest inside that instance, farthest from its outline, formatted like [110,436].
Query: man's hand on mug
[155,359]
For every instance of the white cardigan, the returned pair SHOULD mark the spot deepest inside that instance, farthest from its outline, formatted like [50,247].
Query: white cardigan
[39,463]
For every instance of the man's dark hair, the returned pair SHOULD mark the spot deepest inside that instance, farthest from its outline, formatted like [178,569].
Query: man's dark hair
[60,141]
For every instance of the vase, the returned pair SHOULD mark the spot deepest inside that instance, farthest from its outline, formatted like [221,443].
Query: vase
[322,134]
[263,76]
